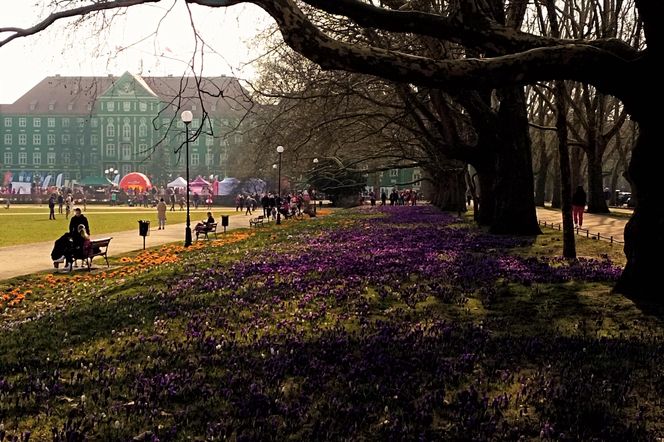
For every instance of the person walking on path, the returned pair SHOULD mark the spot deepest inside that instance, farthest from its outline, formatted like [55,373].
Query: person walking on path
[61,201]
[161,214]
[578,205]
[51,207]
[68,202]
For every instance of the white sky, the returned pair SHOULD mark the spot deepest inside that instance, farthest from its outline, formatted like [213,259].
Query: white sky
[88,51]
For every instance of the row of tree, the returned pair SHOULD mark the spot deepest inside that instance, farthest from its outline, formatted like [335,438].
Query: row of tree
[445,83]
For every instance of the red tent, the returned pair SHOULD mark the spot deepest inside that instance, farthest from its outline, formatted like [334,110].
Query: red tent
[198,185]
[136,181]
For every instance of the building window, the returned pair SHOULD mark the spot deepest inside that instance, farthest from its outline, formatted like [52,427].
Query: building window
[93,158]
[195,141]
[36,158]
[36,139]
[126,130]
[126,152]
[22,139]
[51,105]
[194,159]
[8,157]
[394,172]
[143,106]
[110,106]
[65,139]
[65,122]
[110,150]
[126,106]
[94,122]
[94,139]
[36,122]
[209,159]
[110,129]
[50,139]
[80,122]
[22,121]
[50,158]
[50,122]
[66,157]
[126,168]
[70,106]
[142,130]
[22,158]
[8,122]
[142,149]
[8,139]
[81,140]
[209,140]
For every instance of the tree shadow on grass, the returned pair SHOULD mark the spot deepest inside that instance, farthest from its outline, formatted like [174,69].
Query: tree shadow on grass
[403,377]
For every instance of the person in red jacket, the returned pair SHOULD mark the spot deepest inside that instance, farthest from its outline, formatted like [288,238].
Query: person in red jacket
[578,205]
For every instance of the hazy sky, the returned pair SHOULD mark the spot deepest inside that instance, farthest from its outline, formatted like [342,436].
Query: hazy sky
[128,45]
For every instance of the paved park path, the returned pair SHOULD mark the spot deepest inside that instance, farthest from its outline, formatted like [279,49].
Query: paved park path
[31,258]
[606,225]
[25,259]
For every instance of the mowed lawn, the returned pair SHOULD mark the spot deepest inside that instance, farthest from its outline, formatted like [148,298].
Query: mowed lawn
[24,224]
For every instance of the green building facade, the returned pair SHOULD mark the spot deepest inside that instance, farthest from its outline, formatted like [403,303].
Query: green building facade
[77,127]
[400,179]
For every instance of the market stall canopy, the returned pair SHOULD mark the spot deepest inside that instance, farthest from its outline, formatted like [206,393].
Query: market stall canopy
[226,186]
[135,181]
[198,185]
[178,182]
[199,182]
[95,181]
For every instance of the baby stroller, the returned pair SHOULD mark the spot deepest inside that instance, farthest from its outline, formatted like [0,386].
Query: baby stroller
[63,251]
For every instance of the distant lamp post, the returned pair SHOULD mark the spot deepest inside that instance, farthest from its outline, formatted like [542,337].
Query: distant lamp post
[186,119]
[280,150]
[313,191]
[274,166]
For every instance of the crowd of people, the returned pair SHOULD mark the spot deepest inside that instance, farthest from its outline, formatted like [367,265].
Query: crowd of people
[291,204]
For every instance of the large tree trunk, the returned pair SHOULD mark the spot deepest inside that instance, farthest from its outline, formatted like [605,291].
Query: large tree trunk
[556,202]
[450,189]
[485,203]
[569,243]
[576,167]
[644,234]
[596,201]
[514,199]
[542,173]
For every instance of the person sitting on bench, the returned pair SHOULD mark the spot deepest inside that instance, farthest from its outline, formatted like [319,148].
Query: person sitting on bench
[202,226]
[63,250]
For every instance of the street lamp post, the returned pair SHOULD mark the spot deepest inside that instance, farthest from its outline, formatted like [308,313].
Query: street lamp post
[313,190]
[186,119]
[280,150]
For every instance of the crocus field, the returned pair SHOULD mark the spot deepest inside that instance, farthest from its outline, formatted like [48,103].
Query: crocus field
[399,323]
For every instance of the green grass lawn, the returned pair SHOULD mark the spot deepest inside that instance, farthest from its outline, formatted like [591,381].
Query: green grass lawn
[24,224]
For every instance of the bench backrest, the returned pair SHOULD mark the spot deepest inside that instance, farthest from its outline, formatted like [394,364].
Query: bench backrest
[102,242]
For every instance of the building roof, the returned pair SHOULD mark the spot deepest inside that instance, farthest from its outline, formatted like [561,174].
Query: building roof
[58,95]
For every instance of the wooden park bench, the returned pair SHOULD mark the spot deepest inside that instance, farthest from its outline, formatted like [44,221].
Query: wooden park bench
[99,248]
[256,222]
[205,231]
